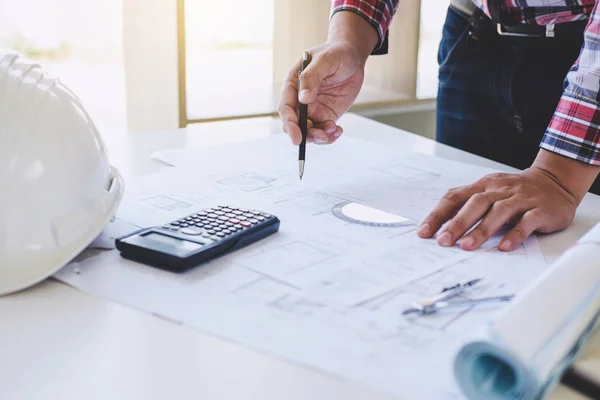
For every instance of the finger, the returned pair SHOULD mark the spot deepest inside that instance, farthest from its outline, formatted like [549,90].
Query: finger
[530,221]
[317,135]
[289,119]
[328,126]
[289,105]
[311,78]
[332,138]
[336,135]
[501,212]
[452,201]
[474,209]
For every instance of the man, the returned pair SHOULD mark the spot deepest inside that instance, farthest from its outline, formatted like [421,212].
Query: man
[501,95]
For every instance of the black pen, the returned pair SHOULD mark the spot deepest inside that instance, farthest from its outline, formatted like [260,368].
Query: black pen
[303,122]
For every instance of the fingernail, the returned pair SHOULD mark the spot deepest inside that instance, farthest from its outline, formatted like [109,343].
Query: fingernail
[423,230]
[337,133]
[320,139]
[506,245]
[466,242]
[445,239]
[304,95]
[330,130]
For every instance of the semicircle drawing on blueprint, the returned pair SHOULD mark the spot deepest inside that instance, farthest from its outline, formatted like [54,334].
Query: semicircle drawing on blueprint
[364,215]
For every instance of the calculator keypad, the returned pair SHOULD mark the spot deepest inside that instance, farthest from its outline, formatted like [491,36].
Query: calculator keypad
[218,222]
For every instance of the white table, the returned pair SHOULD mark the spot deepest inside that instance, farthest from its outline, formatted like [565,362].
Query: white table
[59,343]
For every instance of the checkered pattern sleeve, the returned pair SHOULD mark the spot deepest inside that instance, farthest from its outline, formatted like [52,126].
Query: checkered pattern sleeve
[574,130]
[378,13]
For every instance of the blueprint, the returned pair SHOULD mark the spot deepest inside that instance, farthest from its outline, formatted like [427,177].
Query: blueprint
[570,287]
[323,292]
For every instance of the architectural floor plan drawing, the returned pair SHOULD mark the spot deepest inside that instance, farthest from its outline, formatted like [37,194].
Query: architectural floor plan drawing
[323,292]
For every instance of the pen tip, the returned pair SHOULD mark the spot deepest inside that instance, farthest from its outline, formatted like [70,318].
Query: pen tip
[301,168]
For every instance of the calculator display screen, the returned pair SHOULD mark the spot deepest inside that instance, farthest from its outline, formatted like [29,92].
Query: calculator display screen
[181,244]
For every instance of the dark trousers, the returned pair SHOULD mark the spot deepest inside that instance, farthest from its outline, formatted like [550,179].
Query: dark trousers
[497,94]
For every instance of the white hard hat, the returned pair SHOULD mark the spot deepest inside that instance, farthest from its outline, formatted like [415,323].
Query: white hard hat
[57,188]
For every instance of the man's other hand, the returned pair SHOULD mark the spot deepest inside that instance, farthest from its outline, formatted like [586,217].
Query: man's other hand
[530,201]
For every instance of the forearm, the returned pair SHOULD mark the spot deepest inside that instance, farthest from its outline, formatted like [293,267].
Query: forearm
[574,176]
[347,26]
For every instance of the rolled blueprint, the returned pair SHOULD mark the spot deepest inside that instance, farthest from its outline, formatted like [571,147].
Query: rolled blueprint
[524,350]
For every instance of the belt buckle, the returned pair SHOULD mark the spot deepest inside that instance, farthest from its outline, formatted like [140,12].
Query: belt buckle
[549,32]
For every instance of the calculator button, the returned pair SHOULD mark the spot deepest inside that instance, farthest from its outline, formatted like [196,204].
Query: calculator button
[254,221]
[255,212]
[175,223]
[191,231]
[211,215]
[245,223]
[243,210]
[216,229]
[249,215]
[223,218]
[206,235]
[189,218]
[230,215]
[226,209]
[228,224]
[219,213]
[266,215]
[234,221]
[260,218]
[184,225]
[220,234]
[201,214]
[242,218]
[226,231]
[199,225]
[174,228]
[210,232]
[237,212]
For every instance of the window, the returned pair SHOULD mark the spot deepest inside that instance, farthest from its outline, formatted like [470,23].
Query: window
[237,54]
[85,52]
[217,60]
[229,58]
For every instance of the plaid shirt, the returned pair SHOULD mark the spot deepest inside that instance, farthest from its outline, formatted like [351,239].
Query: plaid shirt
[574,130]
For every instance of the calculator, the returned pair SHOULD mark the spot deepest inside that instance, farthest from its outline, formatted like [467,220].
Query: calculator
[197,238]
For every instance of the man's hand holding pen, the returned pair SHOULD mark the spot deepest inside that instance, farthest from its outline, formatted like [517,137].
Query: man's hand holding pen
[329,86]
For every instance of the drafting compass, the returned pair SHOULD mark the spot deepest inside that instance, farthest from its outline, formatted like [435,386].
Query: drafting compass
[440,301]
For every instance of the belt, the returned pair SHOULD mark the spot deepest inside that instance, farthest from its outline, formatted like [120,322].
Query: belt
[481,22]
